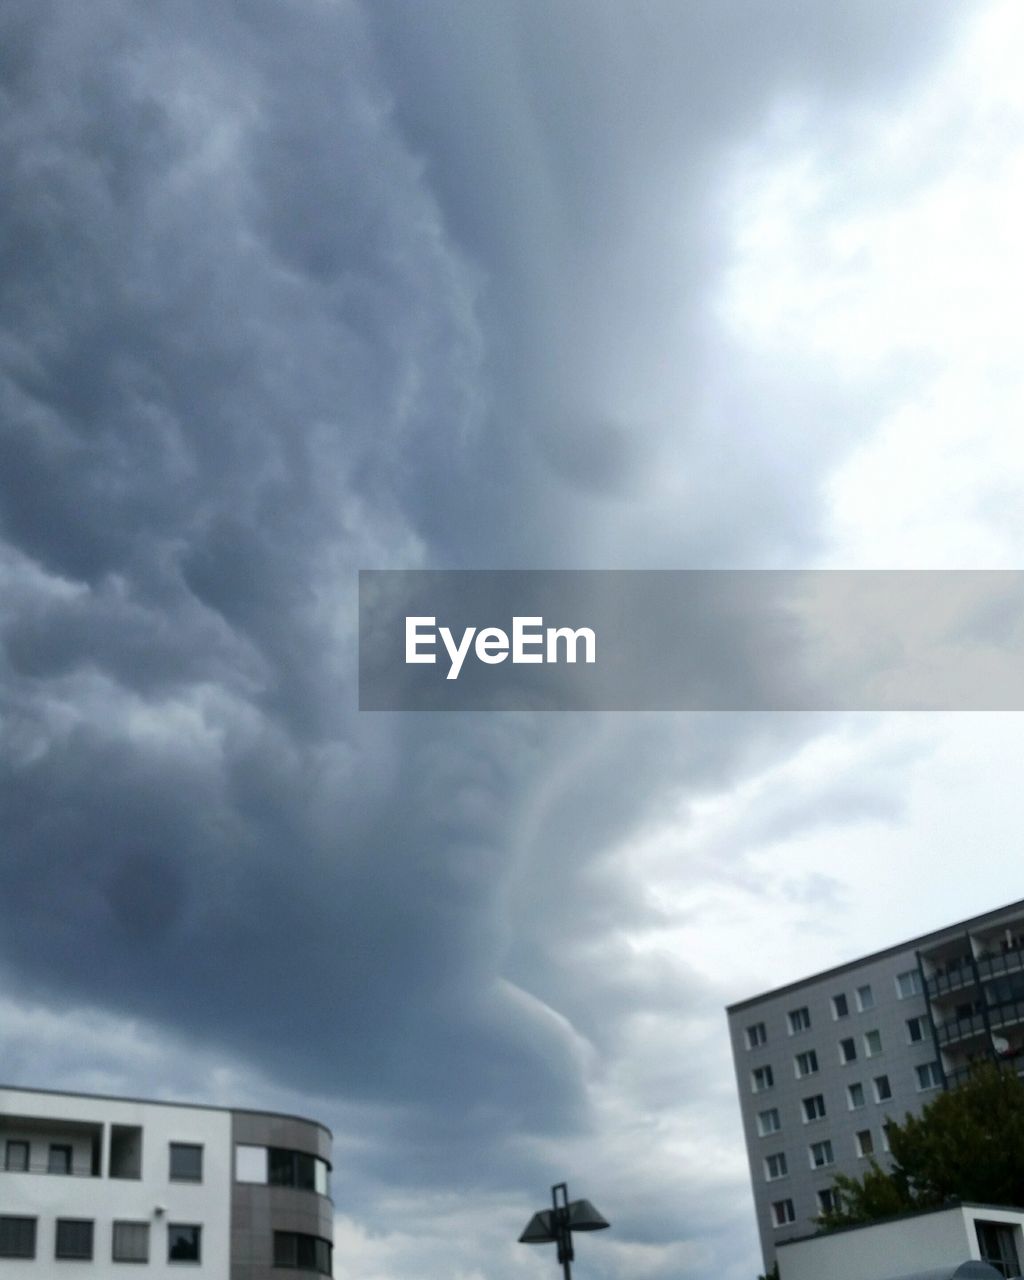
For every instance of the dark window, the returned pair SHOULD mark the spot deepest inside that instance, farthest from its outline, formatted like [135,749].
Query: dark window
[186,1162]
[840,1006]
[17,1237]
[848,1050]
[995,1240]
[756,1035]
[74,1238]
[292,1169]
[16,1157]
[60,1158]
[304,1253]
[183,1242]
[131,1242]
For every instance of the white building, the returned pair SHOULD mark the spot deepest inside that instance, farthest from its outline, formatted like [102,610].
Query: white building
[229,1195]
[822,1063]
[936,1242]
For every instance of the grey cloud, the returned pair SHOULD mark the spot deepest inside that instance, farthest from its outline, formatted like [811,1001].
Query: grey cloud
[294,290]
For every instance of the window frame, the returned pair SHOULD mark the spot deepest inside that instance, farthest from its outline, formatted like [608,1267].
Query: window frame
[26,1146]
[813,1108]
[75,1256]
[32,1223]
[756,1035]
[811,1057]
[172,1149]
[197,1228]
[798,1020]
[120,1224]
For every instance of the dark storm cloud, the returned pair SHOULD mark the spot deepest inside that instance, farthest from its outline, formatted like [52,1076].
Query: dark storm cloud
[292,290]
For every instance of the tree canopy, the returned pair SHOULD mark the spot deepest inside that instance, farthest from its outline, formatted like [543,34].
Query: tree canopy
[967,1144]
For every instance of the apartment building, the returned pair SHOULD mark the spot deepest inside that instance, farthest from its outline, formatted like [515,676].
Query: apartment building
[224,1194]
[821,1063]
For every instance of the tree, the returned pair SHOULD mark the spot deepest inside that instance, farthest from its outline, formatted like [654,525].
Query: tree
[968,1144]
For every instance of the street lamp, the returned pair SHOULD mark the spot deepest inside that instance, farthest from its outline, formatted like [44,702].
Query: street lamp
[556,1225]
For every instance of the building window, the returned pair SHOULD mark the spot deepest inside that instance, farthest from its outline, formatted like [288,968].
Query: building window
[997,1246]
[908,984]
[250,1163]
[768,1122]
[16,1157]
[814,1108]
[882,1090]
[865,998]
[17,1237]
[915,1030]
[865,1143]
[799,1020]
[929,1076]
[783,1213]
[125,1151]
[59,1159]
[775,1166]
[305,1253]
[848,1050]
[74,1239]
[828,1200]
[855,1096]
[183,1242]
[806,1063]
[840,1006]
[131,1242]
[761,1079]
[186,1162]
[756,1035]
[822,1154]
[291,1168]
[872,1043]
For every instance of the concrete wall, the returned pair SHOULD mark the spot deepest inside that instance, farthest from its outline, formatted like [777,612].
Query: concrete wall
[900,1247]
[153,1198]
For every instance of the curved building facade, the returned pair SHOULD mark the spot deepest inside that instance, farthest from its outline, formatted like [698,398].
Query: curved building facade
[222,1193]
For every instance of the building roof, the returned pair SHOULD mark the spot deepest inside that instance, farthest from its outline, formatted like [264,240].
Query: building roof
[912,944]
[164,1102]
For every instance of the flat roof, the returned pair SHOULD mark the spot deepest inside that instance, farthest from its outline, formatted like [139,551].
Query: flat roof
[162,1102]
[937,935]
[948,1207]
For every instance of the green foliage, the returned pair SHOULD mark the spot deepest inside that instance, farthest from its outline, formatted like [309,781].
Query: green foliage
[772,1273]
[967,1144]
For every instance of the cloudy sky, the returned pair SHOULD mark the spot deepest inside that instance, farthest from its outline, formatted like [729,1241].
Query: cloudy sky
[293,289]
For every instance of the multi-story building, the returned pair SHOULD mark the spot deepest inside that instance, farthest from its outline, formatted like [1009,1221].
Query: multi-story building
[822,1063]
[224,1194]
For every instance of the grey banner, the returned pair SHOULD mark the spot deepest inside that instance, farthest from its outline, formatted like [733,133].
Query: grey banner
[691,640]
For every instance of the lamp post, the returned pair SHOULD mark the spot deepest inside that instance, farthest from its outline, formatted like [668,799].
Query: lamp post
[556,1225]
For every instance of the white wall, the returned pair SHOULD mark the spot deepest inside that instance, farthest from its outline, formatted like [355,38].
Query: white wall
[880,1251]
[48,1197]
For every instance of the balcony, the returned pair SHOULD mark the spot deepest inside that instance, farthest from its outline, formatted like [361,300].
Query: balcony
[954,979]
[958,1029]
[995,965]
[56,1148]
[1008,1014]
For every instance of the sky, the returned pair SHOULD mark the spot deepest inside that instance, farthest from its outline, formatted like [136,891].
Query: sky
[292,290]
